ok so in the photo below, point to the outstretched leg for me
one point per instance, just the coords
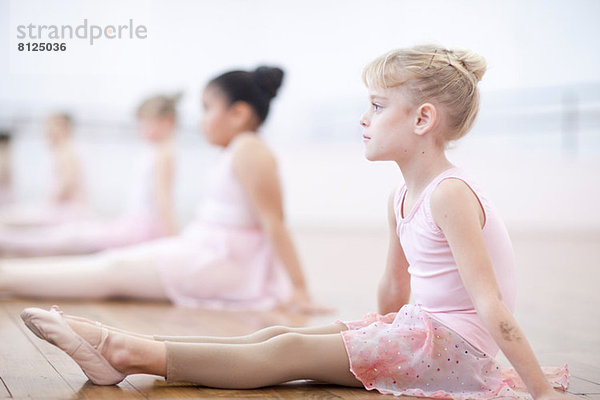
(98, 276)
(90, 331)
(283, 358)
(258, 336)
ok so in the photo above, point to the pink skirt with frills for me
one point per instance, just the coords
(410, 353)
(223, 267)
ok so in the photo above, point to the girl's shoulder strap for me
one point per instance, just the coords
(398, 193)
(453, 173)
(398, 196)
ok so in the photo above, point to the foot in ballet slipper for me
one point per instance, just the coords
(96, 340)
(52, 327)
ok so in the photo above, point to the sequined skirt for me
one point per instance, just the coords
(410, 353)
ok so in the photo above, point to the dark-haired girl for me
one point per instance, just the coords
(236, 254)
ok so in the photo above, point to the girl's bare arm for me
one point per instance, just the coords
(394, 287)
(165, 168)
(458, 213)
(255, 167)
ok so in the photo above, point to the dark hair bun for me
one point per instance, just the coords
(268, 79)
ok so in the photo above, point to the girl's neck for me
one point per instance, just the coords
(62, 146)
(163, 142)
(420, 170)
(246, 131)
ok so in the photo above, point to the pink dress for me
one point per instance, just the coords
(438, 347)
(223, 259)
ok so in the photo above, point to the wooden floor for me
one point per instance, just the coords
(558, 308)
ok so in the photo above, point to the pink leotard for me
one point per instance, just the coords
(434, 278)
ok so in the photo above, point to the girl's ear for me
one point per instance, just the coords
(425, 119)
(241, 112)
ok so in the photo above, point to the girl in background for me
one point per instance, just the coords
(66, 201)
(6, 189)
(238, 253)
(448, 247)
(149, 210)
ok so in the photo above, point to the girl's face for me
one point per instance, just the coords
(156, 129)
(216, 122)
(57, 131)
(388, 125)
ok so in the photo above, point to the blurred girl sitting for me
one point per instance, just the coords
(149, 209)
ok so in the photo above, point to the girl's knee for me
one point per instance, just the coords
(295, 355)
(288, 344)
(277, 330)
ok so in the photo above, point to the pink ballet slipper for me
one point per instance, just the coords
(98, 346)
(52, 327)
(57, 309)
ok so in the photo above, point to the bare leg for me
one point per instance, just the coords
(283, 358)
(98, 276)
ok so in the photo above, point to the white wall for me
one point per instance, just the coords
(322, 44)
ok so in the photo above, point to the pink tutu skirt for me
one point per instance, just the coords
(127, 230)
(223, 267)
(410, 353)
